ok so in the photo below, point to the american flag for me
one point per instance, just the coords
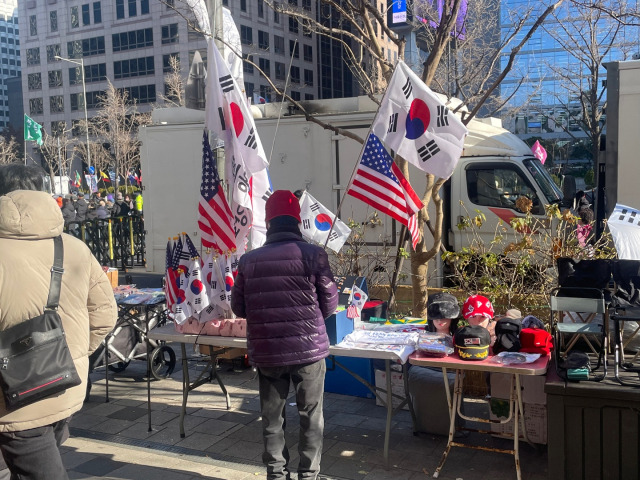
(169, 279)
(379, 182)
(215, 216)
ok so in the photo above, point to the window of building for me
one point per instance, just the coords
(260, 9)
(243, 5)
(295, 74)
(293, 2)
(281, 71)
(306, 29)
(246, 35)
(86, 15)
(278, 44)
(295, 95)
(248, 88)
(144, 7)
(194, 35)
(141, 93)
(135, 67)
(34, 81)
(53, 51)
(246, 66)
(306, 4)
(263, 40)
(75, 20)
(308, 96)
(58, 127)
(293, 25)
(171, 4)
(132, 40)
(56, 104)
(33, 56)
(307, 53)
(170, 33)
(53, 21)
(76, 100)
(97, 12)
(86, 47)
(166, 61)
(294, 49)
(133, 8)
(265, 66)
(33, 25)
(92, 73)
(265, 91)
(35, 106)
(55, 78)
(276, 12)
(308, 77)
(119, 9)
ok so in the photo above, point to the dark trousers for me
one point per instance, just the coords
(308, 383)
(34, 454)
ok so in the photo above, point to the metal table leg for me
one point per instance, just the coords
(457, 389)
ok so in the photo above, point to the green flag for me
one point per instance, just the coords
(32, 130)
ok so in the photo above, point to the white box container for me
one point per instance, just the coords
(397, 386)
(532, 387)
(535, 420)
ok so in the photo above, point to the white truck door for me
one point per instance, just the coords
(490, 186)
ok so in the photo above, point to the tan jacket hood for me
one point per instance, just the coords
(29, 215)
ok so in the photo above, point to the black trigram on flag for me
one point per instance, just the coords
(629, 215)
(223, 297)
(306, 224)
(221, 115)
(314, 207)
(251, 140)
(407, 88)
(214, 285)
(209, 310)
(197, 301)
(333, 235)
(443, 120)
(266, 195)
(429, 150)
(393, 123)
(226, 83)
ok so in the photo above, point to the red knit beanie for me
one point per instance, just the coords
(282, 202)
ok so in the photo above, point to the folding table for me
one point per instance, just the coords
(168, 334)
(516, 411)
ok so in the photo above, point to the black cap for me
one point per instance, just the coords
(472, 342)
(442, 305)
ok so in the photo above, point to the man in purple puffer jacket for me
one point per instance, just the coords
(285, 290)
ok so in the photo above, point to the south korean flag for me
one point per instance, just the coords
(357, 300)
(317, 221)
(415, 123)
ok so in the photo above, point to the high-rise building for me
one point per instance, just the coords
(130, 43)
(9, 54)
(552, 70)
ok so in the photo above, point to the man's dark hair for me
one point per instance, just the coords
(16, 176)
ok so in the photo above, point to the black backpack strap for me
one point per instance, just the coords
(56, 274)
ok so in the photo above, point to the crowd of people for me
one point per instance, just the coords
(78, 207)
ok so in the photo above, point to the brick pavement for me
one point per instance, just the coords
(111, 440)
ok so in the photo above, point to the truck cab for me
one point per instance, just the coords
(495, 170)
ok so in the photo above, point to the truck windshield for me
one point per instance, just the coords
(551, 191)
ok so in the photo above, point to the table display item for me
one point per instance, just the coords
(536, 340)
(472, 342)
(432, 344)
(507, 335)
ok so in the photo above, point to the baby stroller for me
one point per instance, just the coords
(128, 341)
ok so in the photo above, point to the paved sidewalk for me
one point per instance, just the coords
(111, 440)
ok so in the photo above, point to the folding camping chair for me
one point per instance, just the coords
(580, 306)
(625, 308)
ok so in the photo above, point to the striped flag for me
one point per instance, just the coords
(379, 182)
(215, 218)
(169, 277)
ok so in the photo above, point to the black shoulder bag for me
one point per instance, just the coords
(35, 361)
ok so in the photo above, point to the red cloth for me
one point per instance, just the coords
(280, 203)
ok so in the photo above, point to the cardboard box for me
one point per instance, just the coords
(397, 387)
(532, 387)
(112, 275)
(535, 420)
(230, 354)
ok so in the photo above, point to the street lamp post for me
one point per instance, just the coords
(84, 98)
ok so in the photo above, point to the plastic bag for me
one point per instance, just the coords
(511, 358)
(433, 344)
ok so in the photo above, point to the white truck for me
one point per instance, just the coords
(496, 167)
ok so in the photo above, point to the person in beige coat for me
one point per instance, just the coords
(29, 220)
